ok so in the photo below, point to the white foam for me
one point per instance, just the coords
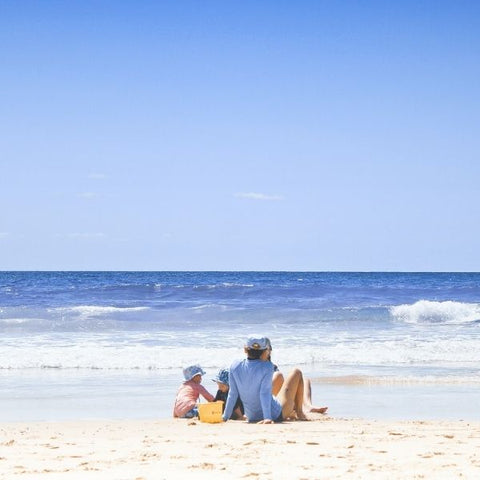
(102, 354)
(15, 321)
(426, 311)
(212, 306)
(170, 350)
(398, 380)
(94, 310)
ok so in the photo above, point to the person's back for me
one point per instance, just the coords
(252, 381)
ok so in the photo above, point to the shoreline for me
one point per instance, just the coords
(325, 447)
(61, 396)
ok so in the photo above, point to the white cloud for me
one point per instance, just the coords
(88, 195)
(4, 234)
(86, 236)
(97, 176)
(259, 196)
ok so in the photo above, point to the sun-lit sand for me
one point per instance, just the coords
(324, 448)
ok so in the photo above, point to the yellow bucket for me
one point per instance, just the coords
(210, 412)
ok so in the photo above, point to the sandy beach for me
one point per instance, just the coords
(324, 447)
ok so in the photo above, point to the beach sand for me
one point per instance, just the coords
(322, 448)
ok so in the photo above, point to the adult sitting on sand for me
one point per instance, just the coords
(251, 380)
(278, 380)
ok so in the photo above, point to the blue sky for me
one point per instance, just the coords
(253, 135)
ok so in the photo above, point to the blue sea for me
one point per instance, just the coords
(77, 345)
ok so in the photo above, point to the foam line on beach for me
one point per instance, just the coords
(396, 380)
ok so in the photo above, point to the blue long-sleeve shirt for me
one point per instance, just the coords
(251, 380)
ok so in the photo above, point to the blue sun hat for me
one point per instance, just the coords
(191, 371)
(257, 342)
(222, 376)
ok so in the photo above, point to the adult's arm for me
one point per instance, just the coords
(266, 395)
(231, 398)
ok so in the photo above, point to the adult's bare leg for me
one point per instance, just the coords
(277, 383)
(291, 396)
(307, 398)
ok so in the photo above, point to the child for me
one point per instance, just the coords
(222, 394)
(189, 393)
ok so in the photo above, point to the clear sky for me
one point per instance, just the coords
(252, 135)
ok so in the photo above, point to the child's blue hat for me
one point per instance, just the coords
(222, 376)
(191, 371)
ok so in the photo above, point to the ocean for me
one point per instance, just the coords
(77, 345)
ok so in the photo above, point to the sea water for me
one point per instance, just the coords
(112, 344)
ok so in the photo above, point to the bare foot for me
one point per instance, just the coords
(301, 416)
(318, 409)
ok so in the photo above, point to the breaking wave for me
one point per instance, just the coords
(426, 311)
